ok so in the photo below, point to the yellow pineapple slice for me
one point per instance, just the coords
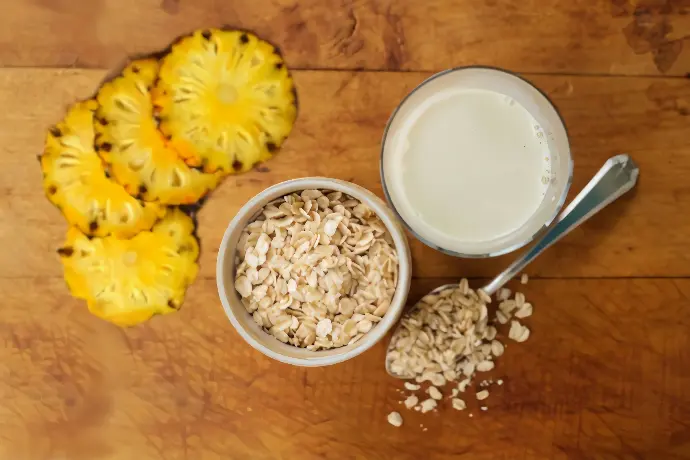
(128, 139)
(225, 100)
(126, 281)
(75, 180)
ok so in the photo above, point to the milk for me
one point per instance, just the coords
(466, 168)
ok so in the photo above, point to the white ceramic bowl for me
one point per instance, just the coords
(244, 323)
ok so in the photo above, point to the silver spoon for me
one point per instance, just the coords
(617, 176)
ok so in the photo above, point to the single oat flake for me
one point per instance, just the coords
(411, 401)
(395, 419)
(482, 395)
(435, 393)
(428, 405)
(518, 332)
(458, 404)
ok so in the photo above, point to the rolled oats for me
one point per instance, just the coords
(497, 348)
(484, 296)
(428, 405)
(323, 327)
(485, 366)
(448, 336)
(435, 393)
(524, 311)
(395, 419)
(462, 386)
(519, 299)
(518, 332)
(502, 317)
(411, 401)
(458, 404)
(316, 269)
(503, 294)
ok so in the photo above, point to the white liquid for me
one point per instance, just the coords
(471, 166)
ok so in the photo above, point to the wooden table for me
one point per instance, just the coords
(606, 373)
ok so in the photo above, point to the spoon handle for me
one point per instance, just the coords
(617, 176)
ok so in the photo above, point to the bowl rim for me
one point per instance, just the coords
(392, 224)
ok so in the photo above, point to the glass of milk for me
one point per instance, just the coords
(476, 162)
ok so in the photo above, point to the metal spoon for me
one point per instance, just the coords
(617, 176)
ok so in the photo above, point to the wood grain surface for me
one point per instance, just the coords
(630, 37)
(603, 376)
(606, 371)
(642, 235)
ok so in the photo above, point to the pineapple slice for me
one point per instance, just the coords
(128, 139)
(126, 281)
(225, 100)
(76, 182)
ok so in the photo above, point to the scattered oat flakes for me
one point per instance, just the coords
(411, 401)
(462, 386)
(485, 366)
(428, 405)
(395, 419)
(524, 311)
(482, 395)
(458, 404)
(507, 306)
(518, 332)
(447, 338)
(519, 299)
(524, 278)
(435, 393)
(497, 348)
(442, 338)
(503, 294)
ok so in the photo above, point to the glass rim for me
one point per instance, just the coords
(519, 244)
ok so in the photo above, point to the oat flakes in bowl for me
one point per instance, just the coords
(314, 271)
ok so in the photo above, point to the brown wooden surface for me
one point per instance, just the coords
(644, 235)
(640, 37)
(606, 372)
(601, 377)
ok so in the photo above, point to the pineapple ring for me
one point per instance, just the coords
(75, 181)
(225, 100)
(128, 139)
(128, 281)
